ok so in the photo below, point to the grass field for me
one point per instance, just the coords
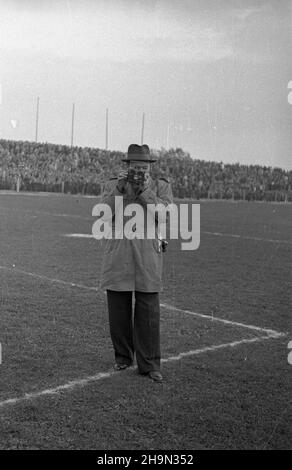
(224, 325)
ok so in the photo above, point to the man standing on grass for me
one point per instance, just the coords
(132, 269)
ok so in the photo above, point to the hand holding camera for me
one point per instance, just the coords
(135, 177)
(138, 179)
(122, 181)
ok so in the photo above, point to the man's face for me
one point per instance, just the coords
(140, 166)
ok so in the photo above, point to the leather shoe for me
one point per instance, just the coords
(155, 375)
(121, 366)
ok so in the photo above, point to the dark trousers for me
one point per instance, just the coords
(140, 334)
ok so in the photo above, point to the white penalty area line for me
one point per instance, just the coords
(35, 213)
(267, 331)
(7, 192)
(73, 384)
(49, 279)
(85, 235)
(78, 235)
(217, 234)
(246, 237)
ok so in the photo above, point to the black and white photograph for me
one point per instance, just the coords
(145, 229)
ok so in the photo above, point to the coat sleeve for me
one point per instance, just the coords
(164, 195)
(109, 193)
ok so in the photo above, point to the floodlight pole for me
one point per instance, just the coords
(72, 124)
(167, 136)
(106, 129)
(37, 119)
(142, 130)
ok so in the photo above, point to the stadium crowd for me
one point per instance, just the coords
(31, 166)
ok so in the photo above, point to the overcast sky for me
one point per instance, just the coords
(210, 75)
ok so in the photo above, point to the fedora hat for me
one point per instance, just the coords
(140, 153)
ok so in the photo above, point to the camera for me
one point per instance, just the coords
(135, 176)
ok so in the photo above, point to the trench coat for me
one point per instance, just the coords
(134, 264)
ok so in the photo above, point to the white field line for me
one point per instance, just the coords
(7, 192)
(246, 237)
(78, 235)
(73, 384)
(218, 234)
(49, 279)
(11, 192)
(267, 331)
(233, 344)
(52, 214)
(84, 235)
